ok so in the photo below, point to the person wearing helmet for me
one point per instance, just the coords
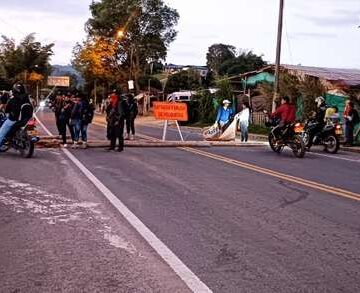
(320, 109)
(318, 120)
(18, 110)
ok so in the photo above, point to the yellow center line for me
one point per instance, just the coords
(304, 182)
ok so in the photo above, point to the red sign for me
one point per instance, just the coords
(171, 111)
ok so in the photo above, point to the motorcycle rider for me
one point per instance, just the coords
(19, 111)
(319, 118)
(286, 113)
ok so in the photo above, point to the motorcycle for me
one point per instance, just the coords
(327, 136)
(289, 136)
(23, 140)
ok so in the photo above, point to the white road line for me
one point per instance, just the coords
(190, 279)
(43, 126)
(336, 157)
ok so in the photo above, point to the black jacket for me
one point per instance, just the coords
(19, 105)
(132, 108)
(117, 114)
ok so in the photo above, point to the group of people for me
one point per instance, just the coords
(225, 116)
(73, 112)
(286, 113)
(17, 110)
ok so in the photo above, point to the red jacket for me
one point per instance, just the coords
(113, 100)
(286, 112)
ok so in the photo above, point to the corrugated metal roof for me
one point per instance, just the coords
(349, 77)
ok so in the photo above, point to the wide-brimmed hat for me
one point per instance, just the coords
(226, 102)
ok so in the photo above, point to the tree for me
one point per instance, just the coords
(207, 111)
(218, 54)
(310, 88)
(28, 61)
(183, 80)
(246, 61)
(148, 29)
(225, 92)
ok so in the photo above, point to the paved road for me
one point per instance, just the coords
(237, 227)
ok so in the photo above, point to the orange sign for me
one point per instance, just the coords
(171, 111)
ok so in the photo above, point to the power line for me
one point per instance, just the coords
(288, 43)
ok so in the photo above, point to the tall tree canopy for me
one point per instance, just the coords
(224, 60)
(147, 29)
(28, 61)
(217, 54)
(245, 61)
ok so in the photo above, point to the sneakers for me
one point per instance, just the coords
(132, 137)
(65, 145)
(75, 145)
(84, 145)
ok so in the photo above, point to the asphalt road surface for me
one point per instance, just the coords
(241, 219)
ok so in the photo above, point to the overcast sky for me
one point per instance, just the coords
(316, 32)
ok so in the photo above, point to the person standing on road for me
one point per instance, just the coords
(57, 108)
(64, 120)
(130, 119)
(351, 117)
(81, 116)
(224, 115)
(116, 114)
(244, 120)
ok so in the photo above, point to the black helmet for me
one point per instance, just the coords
(18, 89)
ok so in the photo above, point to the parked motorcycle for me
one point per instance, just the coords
(289, 136)
(23, 140)
(327, 136)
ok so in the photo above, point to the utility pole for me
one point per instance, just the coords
(278, 55)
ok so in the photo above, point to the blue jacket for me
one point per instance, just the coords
(224, 114)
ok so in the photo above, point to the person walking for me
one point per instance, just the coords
(130, 119)
(244, 121)
(116, 114)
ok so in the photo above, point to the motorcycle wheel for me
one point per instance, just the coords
(298, 147)
(332, 144)
(272, 142)
(306, 139)
(28, 148)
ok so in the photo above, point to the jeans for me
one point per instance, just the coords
(80, 128)
(130, 125)
(244, 131)
(5, 129)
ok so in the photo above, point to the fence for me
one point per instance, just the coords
(258, 118)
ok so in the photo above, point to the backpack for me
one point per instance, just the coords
(356, 118)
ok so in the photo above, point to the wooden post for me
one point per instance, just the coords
(278, 55)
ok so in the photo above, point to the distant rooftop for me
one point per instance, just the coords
(348, 77)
